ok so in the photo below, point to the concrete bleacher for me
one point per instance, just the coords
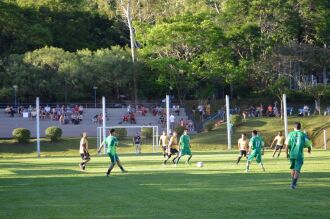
(7, 124)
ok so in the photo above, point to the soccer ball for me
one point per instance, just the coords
(200, 164)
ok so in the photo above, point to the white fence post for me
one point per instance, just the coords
(168, 115)
(285, 114)
(325, 138)
(38, 126)
(104, 121)
(228, 122)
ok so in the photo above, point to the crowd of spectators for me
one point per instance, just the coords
(64, 114)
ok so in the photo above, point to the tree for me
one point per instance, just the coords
(278, 88)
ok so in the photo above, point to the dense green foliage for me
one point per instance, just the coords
(121, 133)
(236, 120)
(189, 48)
(53, 133)
(209, 126)
(147, 133)
(21, 135)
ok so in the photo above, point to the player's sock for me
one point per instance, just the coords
(110, 168)
(247, 166)
(121, 167)
(294, 182)
(189, 158)
(263, 168)
(238, 159)
(177, 160)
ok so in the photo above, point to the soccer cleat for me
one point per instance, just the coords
(246, 170)
(187, 163)
(124, 171)
(81, 167)
(293, 186)
(107, 175)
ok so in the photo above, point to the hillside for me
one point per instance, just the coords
(268, 128)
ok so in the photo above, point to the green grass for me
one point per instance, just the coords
(267, 127)
(55, 188)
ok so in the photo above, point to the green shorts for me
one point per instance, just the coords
(185, 151)
(255, 154)
(296, 164)
(114, 158)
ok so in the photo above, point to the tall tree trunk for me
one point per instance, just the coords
(127, 11)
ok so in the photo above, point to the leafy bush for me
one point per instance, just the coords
(179, 130)
(146, 132)
(53, 133)
(22, 135)
(236, 120)
(121, 133)
(208, 126)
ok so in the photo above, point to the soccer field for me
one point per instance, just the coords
(55, 188)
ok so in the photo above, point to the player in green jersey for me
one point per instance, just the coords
(295, 144)
(256, 150)
(111, 142)
(184, 146)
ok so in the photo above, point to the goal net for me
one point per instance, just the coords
(130, 132)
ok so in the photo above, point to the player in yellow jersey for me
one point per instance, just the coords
(172, 148)
(243, 146)
(83, 150)
(279, 139)
(163, 141)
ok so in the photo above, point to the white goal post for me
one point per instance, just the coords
(155, 134)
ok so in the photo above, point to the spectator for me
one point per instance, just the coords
(276, 112)
(62, 109)
(30, 111)
(42, 113)
(132, 118)
(190, 126)
(162, 120)
(76, 109)
(177, 110)
(129, 108)
(306, 111)
(182, 123)
(208, 109)
(95, 119)
(81, 109)
(7, 109)
(327, 111)
(11, 112)
(33, 113)
(172, 121)
(200, 111)
(61, 119)
(261, 110)
(193, 109)
(244, 114)
(66, 119)
(47, 110)
(270, 110)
